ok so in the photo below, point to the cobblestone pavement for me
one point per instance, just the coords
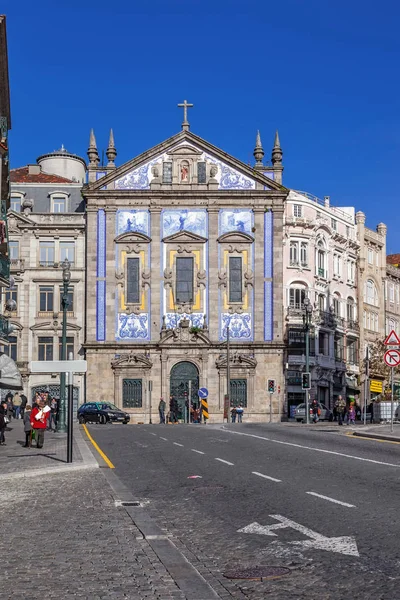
(62, 537)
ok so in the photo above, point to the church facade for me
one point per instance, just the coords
(184, 249)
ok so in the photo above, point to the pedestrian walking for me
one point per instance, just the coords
(173, 410)
(10, 408)
(315, 411)
(340, 406)
(16, 405)
(24, 402)
(233, 414)
(161, 410)
(52, 420)
(3, 423)
(39, 422)
(239, 412)
(351, 415)
(28, 426)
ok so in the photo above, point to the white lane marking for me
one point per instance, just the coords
(260, 437)
(331, 499)
(151, 433)
(225, 461)
(165, 439)
(198, 451)
(176, 444)
(266, 477)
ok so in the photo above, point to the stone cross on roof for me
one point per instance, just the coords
(185, 123)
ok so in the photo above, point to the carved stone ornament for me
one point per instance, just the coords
(235, 309)
(237, 359)
(132, 360)
(238, 249)
(168, 275)
(133, 249)
(184, 307)
(201, 279)
(187, 249)
(146, 275)
(133, 309)
(248, 278)
(222, 279)
(120, 277)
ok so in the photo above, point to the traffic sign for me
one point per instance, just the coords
(202, 393)
(392, 358)
(392, 339)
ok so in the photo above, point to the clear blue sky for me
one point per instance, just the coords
(326, 74)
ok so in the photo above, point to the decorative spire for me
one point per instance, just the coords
(92, 151)
(258, 151)
(111, 151)
(277, 153)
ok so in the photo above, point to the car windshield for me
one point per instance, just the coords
(108, 406)
(300, 406)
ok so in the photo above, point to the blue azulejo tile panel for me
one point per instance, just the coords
(133, 220)
(229, 178)
(268, 244)
(101, 311)
(193, 220)
(235, 219)
(268, 312)
(173, 319)
(101, 243)
(133, 327)
(240, 326)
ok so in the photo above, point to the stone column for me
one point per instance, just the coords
(213, 316)
(258, 279)
(156, 274)
(111, 308)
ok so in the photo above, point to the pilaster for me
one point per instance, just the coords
(156, 275)
(258, 278)
(213, 309)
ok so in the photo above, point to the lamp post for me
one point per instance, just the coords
(307, 315)
(61, 423)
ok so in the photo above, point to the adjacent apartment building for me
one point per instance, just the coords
(46, 225)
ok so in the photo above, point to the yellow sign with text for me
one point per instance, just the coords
(376, 386)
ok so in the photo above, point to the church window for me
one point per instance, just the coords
(235, 279)
(184, 279)
(46, 298)
(132, 275)
(132, 393)
(238, 392)
(167, 172)
(201, 172)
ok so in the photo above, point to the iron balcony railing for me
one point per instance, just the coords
(4, 267)
(4, 328)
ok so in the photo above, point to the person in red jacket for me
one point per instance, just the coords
(39, 424)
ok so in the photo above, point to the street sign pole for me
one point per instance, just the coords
(189, 400)
(150, 390)
(366, 385)
(270, 407)
(392, 405)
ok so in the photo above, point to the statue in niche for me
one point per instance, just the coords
(213, 171)
(184, 172)
(155, 172)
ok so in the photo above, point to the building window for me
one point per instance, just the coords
(167, 172)
(12, 294)
(235, 279)
(377, 258)
(46, 298)
(321, 260)
(13, 250)
(321, 302)
(370, 293)
(184, 280)
(10, 349)
(336, 306)
(132, 281)
(67, 251)
(15, 202)
(350, 310)
(132, 393)
(371, 321)
(46, 250)
(297, 342)
(294, 254)
(337, 264)
(334, 224)
(391, 293)
(391, 325)
(339, 347)
(323, 343)
(304, 254)
(70, 298)
(352, 351)
(351, 270)
(297, 297)
(201, 172)
(59, 204)
(370, 256)
(69, 347)
(297, 210)
(238, 392)
(45, 348)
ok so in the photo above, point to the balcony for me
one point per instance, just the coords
(353, 326)
(321, 273)
(4, 268)
(17, 265)
(4, 328)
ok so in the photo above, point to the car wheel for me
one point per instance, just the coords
(125, 422)
(82, 419)
(299, 420)
(102, 420)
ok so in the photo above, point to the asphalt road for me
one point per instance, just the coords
(312, 484)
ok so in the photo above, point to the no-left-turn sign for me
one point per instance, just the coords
(392, 358)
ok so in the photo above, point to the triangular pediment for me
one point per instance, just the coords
(235, 237)
(17, 220)
(184, 237)
(132, 238)
(229, 173)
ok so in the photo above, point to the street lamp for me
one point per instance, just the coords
(307, 316)
(61, 424)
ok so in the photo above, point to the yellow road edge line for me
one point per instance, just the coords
(103, 456)
(360, 437)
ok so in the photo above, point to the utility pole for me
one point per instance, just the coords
(150, 390)
(61, 421)
(366, 385)
(228, 372)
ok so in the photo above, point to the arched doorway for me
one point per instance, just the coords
(181, 374)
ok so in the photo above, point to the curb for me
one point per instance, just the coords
(47, 471)
(377, 436)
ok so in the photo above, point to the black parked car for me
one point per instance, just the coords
(102, 412)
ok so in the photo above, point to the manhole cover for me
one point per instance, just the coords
(257, 573)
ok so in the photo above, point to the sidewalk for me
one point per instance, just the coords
(380, 432)
(372, 431)
(17, 461)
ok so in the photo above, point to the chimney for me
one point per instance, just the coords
(34, 169)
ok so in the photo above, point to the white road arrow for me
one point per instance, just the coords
(342, 545)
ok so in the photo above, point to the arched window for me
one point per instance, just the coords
(370, 293)
(297, 295)
(321, 259)
(321, 302)
(336, 305)
(350, 310)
